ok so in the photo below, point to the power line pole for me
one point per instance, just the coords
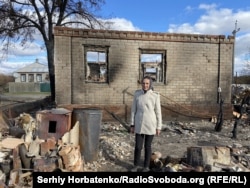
(233, 61)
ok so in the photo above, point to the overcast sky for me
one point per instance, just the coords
(180, 16)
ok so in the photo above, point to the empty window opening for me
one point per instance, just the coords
(96, 64)
(52, 127)
(153, 64)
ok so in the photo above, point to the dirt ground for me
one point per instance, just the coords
(116, 144)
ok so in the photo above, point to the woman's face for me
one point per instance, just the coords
(145, 84)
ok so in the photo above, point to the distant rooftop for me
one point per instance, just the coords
(34, 67)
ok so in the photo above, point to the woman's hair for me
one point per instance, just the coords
(150, 81)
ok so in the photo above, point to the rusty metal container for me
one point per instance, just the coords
(89, 131)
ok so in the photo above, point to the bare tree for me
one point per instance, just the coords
(21, 20)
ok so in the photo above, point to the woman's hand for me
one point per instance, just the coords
(132, 129)
(158, 131)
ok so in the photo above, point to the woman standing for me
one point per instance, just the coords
(146, 121)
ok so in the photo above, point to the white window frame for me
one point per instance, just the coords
(23, 77)
(39, 78)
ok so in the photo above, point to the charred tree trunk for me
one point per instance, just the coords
(220, 117)
(240, 110)
(234, 131)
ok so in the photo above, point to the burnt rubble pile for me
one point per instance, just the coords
(182, 147)
(23, 152)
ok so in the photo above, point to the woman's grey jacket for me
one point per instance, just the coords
(146, 112)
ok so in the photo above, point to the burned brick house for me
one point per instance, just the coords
(102, 69)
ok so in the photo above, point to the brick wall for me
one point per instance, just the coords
(196, 65)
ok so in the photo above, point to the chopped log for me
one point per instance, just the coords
(208, 155)
(11, 143)
(72, 159)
